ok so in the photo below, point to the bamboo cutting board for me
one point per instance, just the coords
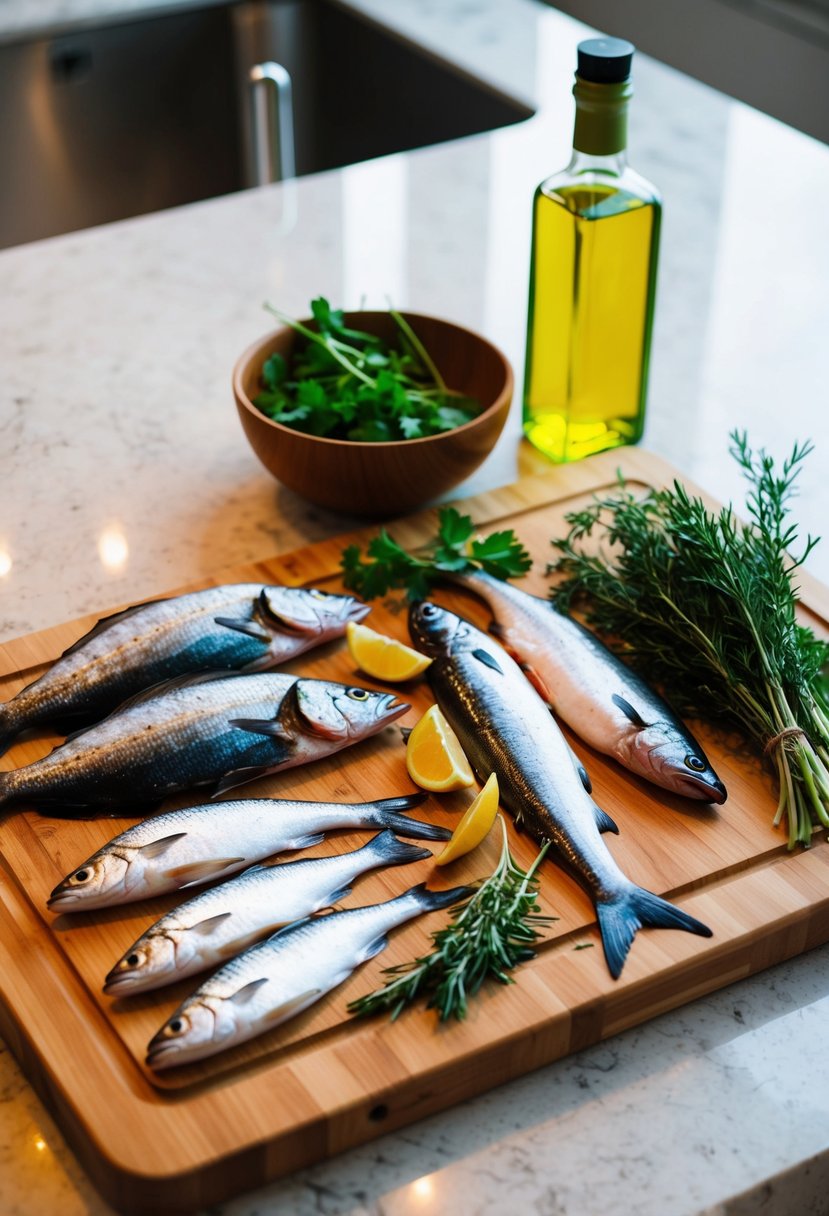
(325, 1082)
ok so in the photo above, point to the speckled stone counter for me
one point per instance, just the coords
(124, 473)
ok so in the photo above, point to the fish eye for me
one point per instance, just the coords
(358, 694)
(429, 610)
(175, 1027)
(694, 762)
(82, 876)
(132, 960)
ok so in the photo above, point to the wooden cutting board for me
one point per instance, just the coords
(325, 1082)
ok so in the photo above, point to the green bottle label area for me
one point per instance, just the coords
(592, 293)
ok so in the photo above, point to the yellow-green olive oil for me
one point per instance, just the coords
(591, 307)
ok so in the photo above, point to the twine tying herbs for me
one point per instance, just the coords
(790, 732)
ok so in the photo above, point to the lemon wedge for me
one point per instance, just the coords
(434, 756)
(383, 657)
(475, 825)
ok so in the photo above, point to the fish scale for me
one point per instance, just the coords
(190, 735)
(599, 697)
(504, 727)
(277, 979)
(236, 627)
(192, 845)
(206, 930)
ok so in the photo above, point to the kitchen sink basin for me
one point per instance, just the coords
(102, 123)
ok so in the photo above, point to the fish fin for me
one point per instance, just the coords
(387, 817)
(483, 656)
(431, 901)
(243, 995)
(373, 948)
(244, 626)
(238, 776)
(157, 848)
(262, 726)
(405, 731)
(603, 821)
(390, 851)
(296, 625)
(334, 897)
(296, 1005)
(537, 682)
(585, 777)
(304, 842)
(620, 918)
(200, 871)
(104, 623)
(205, 927)
(628, 710)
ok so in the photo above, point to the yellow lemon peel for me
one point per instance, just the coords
(476, 823)
(434, 757)
(382, 657)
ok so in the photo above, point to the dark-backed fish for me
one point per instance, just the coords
(279, 978)
(202, 731)
(217, 925)
(505, 727)
(193, 845)
(237, 627)
(601, 699)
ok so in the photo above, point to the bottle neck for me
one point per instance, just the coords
(600, 133)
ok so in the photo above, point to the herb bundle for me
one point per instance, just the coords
(455, 548)
(705, 607)
(345, 384)
(488, 935)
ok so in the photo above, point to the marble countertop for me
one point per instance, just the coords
(124, 473)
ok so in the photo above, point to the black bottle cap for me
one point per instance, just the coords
(605, 60)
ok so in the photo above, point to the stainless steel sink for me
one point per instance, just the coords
(100, 124)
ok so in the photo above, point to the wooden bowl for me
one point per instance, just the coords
(382, 479)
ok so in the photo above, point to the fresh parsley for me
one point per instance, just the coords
(342, 383)
(388, 565)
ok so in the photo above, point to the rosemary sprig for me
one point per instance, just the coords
(488, 935)
(455, 547)
(705, 607)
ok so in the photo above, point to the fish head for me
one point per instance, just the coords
(152, 956)
(341, 711)
(436, 631)
(302, 611)
(196, 1029)
(102, 877)
(666, 756)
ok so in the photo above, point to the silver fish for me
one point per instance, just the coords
(219, 924)
(228, 730)
(237, 627)
(505, 727)
(595, 693)
(279, 978)
(185, 848)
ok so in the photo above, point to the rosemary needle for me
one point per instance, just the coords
(488, 935)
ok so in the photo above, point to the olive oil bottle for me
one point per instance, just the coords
(593, 276)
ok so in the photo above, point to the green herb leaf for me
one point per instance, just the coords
(705, 607)
(452, 551)
(488, 936)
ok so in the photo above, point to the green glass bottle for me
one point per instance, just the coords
(592, 276)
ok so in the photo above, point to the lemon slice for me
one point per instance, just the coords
(434, 756)
(383, 657)
(475, 825)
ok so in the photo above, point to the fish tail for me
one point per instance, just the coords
(633, 909)
(385, 814)
(425, 900)
(9, 727)
(389, 851)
